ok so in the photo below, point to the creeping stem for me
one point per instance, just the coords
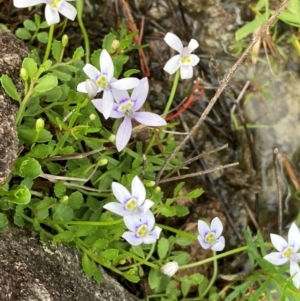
(50, 38)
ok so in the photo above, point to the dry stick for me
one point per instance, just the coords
(275, 165)
(200, 173)
(222, 87)
(187, 162)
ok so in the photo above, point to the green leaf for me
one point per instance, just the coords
(107, 41)
(95, 58)
(185, 286)
(110, 254)
(65, 236)
(183, 241)
(62, 75)
(180, 211)
(56, 50)
(75, 200)
(138, 250)
(131, 277)
(118, 62)
(195, 193)
(45, 83)
(20, 195)
(163, 248)
(100, 243)
(59, 189)
(3, 222)
(28, 167)
(30, 66)
(167, 211)
(154, 278)
(30, 25)
(85, 230)
(40, 151)
(87, 265)
(78, 54)
(177, 189)
(23, 33)
(249, 27)
(63, 212)
(43, 207)
(53, 94)
(43, 37)
(130, 72)
(29, 134)
(9, 87)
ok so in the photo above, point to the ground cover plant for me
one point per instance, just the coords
(79, 123)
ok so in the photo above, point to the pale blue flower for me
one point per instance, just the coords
(184, 60)
(52, 9)
(210, 237)
(170, 268)
(287, 252)
(127, 106)
(106, 83)
(133, 203)
(142, 229)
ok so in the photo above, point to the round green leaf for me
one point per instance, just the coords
(45, 84)
(3, 222)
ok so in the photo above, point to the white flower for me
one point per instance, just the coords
(184, 60)
(106, 83)
(287, 252)
(209, 237)
(127, 106)
(133, 203)
(141, 229)
(170, 268)
(52, 9)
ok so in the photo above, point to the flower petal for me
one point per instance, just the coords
(149, 219)
(125, 83)
(278, 242)
(132, 222)
(174, 42)
(186, 71)
(131, 238)
(276, 258)
(172, 64)
(193, 44)
(219, 245)
(120, 192)
(117, 209)
(120, 95)
(295, 271)
(203, 228)
(106, 65)
(294, 237)
(115, 113)
(149, 119)
(203, 243)
(27, 3)
(139, 94)
(81, 87)
(51, 15)
(195, 59)
(216, 226)
(147, 205)
(68, 10)
(138, 190)
(91, 71)
(107, 103)
(123, 134)
(149, 239)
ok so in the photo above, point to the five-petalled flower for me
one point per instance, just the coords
(142, 229)
(184, 60)
(134, 203)
(209, 237)
(106, 83)
(127, 106)
(287, 251)
(170, 268)
(52, 9)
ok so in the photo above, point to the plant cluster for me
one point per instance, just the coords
(71, 179)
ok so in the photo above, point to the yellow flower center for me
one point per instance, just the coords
(102, 82)
(185, 58)
(210, 238)
(142, 231)
(126, 108)
(288, 252)
(131, 205)
(55, 4)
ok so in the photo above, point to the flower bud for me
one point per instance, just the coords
(157, 189)
(24, 74)
(92, 117)
(149, 183)
(170, 268)
(39, 124)
(112, 138)
(114, 46)
(65, 40)
(64, 199)
(102, 162)
(91, 87)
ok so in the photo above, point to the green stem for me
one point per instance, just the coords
(214, 276)
(141, 260)
(179, 232)
(172, 94)
(49, 44)
(87, 223)
(79, 5)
